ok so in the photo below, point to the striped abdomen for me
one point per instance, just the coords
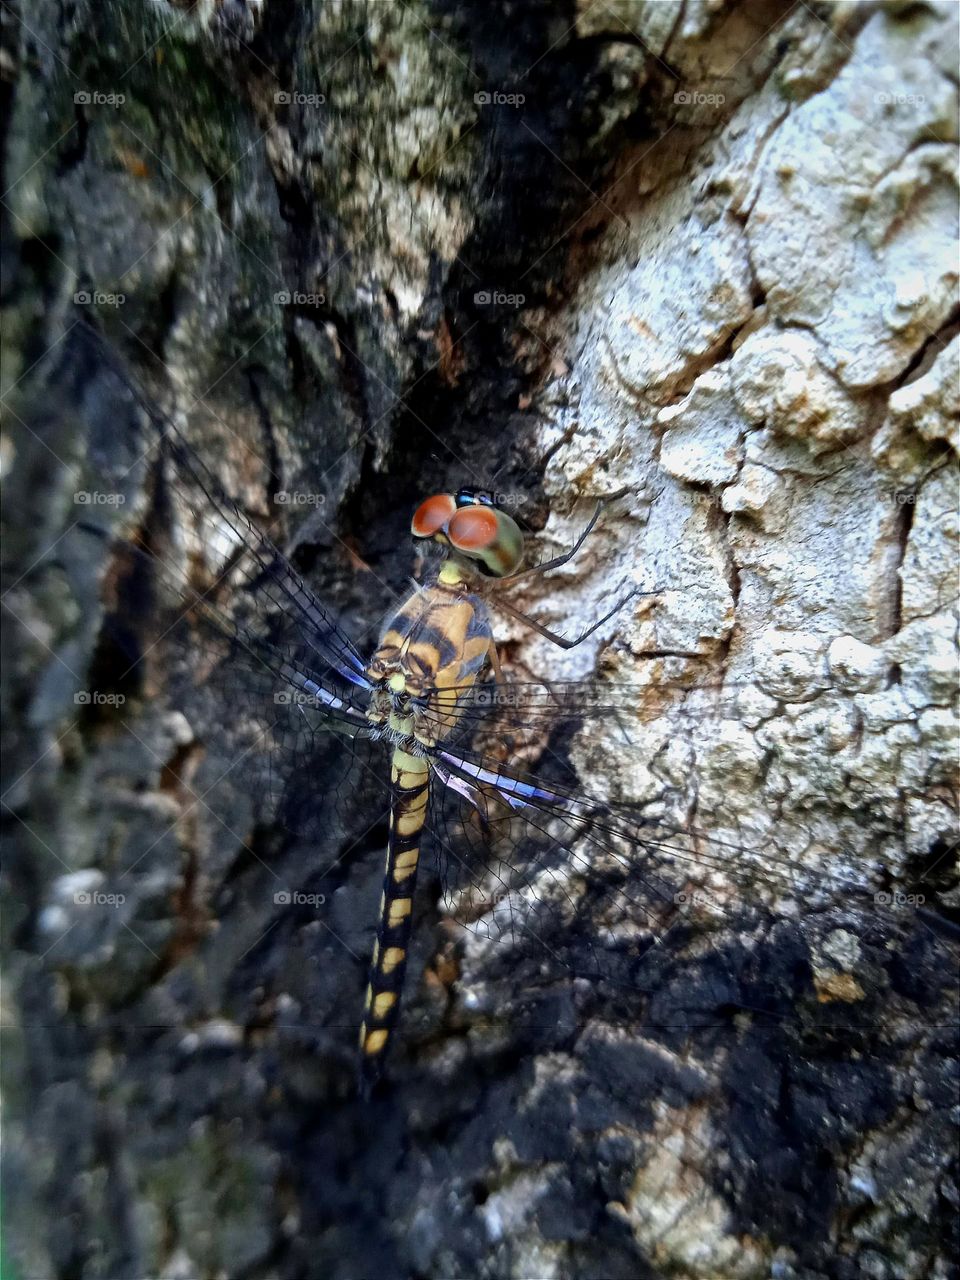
(410, 783)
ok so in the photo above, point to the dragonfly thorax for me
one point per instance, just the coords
(428, 659)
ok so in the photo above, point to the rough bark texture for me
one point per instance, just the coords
(708, 261)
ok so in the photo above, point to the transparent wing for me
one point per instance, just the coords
(544, 879)
(209, 555)
(581, 829)
(271, 751)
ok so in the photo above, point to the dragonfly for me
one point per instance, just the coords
(480, 771)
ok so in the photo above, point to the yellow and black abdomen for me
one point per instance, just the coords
(429, 657)
(410, 785)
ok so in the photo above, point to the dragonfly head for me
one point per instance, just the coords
(479, 534)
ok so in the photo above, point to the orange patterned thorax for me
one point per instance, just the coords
(437, 642)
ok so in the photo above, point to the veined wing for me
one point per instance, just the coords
(544, 879)
(564, 880)
(221, 564)
(282, 666)
(278, 787)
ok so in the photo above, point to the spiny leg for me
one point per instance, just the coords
(562, 641)
(557, 561)
(494, 659)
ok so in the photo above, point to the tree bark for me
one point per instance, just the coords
(698, 259)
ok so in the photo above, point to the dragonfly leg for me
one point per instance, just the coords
(562, 641)
(567, 556)
(495, 662)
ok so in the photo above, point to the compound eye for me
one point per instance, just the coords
(473, 529)
(489, 537)
(432, 515)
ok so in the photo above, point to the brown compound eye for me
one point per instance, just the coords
(489, 537)
(473, 529)
(432, 515)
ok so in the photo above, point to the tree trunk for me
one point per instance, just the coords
(696, 258)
